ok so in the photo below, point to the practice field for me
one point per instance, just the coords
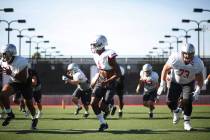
(62, 124)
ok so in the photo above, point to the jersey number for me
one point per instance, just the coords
(184, 73)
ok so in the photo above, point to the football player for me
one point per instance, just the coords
(37, 95)
(149, 80)
(120, 92)
(104, 84)
(186, 69)
(17, 68)
(83, 89)
(37, 90)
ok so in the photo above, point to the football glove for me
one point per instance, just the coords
(196, 93)
(206, 81)
(162, 88)
(64, 78)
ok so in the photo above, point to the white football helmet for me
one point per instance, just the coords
(98, 43)
(147, 68)
(8, 51)
(188, 52)
(72, 68)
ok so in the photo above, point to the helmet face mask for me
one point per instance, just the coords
(147, 73)
(7, 57)
(187, 57)
(147, 69)
(188, 52)
(8, 52)
(72, 69)
(98, 44)
(96, 47)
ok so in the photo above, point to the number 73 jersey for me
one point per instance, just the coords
(184, 73)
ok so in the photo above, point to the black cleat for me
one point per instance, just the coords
(86, 115)
(8, 119)
(34, 123)
(150, 115)
(113, 110)
(77, 111)
(103, 126)
(120, 114)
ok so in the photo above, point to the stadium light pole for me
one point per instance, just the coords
(170, 45)
(151, 58)
(198, 29)
(45, 49)
(200, 10)
(30, 41)
(156, 50)
(186, 32)
(8, 26)
(20, 35)
(37, 44)
(53, 54)
(7, 10)
(177, 41)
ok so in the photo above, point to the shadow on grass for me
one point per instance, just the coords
(89, 131)
(83, 131)
(144, 113)
(138, 118)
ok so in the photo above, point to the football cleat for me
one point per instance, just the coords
(120, 114)
(103, 126)
(34, 123)
(176, 116)
(187, 126)
(77, 111)
(86, 115)
(8, 119)
(151, 115)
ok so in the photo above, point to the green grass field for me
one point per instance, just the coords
(62, 124)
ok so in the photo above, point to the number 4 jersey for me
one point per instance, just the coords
(184, 73)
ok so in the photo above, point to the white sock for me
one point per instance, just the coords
(186, 118)
(120, 110)
(101, 118)
(86, 112)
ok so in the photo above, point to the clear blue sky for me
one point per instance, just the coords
(133, 27)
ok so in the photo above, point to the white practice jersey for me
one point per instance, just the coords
(182, 73)
(150, 82)
(80, 76)
(18, 64)
(102, 61)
